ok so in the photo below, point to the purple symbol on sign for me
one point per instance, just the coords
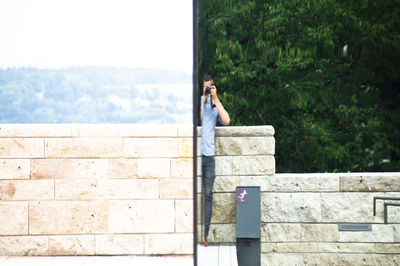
(242, 196)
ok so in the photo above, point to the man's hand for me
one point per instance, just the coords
(214, 92)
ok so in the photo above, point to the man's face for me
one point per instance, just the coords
(207, 83)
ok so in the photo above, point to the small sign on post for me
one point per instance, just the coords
(242, 195)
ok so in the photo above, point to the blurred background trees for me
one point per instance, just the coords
(94, 95)
(325, 74)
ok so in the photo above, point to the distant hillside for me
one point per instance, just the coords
(93, 95)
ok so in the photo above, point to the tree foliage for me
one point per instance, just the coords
(324, 73)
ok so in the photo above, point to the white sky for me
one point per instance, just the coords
(121, 33)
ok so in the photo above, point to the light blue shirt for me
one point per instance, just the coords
(210, 116)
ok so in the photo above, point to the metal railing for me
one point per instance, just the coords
(386, 204)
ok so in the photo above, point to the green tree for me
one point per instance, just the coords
(325, 74)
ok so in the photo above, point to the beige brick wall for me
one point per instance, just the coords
(300, 213)
(127, 189)
(244, 157)
(96, 189)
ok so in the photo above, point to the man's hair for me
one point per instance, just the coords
(208, 77)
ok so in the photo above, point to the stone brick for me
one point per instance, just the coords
(280, 232)
(222, 233)
(177, 244)
(71, 245)
(387, 248)
(229, 183)
(199, 208)
(185, 147)
(68, 217)
(253, 165)
(276, 259)
(291, 207)
(356, 247)
(119, 244)
(223, 165)
(127, 130)
(69, 168)
(21, 148)
(176, 189)
(83, 147)
(366, 259)
(303, 182)
(258, 146)
(185, 130)
(224, 183)
(91, 189)
(199, 166)
(377, 182)
(299, 259)
(199, 146)
(228, 146)
(224, 208)
(300, 247)
(319, 233)
(26, 189)
(122, 168)
(38, 130)
(182, 168)
(184, 216)
(380, 233)
(151, 147)
(14, 218)
(396, 232)
(347, 207)
(321, 259)
(138, 216)
(14, 169)
(154, 168)
(244, 131)
(23, 246)
(393, 214)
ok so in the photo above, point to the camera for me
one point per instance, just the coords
(208, 90)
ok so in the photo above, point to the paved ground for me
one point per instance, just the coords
(216, 255)
(209, 256)
(95, 261)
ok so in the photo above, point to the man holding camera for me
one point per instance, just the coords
(211, 110)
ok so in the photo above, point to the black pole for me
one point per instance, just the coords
(195, 115)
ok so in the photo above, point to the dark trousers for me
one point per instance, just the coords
(208, 178)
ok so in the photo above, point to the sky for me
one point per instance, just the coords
(116, 33)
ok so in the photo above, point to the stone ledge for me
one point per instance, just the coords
(242, 131)
(95, 130)
(38, 130)
(128, 130)
(380, 182)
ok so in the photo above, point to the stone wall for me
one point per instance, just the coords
(96, 190)
(127, 189)
(244, 157)
(301, 213)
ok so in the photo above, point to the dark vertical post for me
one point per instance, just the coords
(195, 115)
(248, 226)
